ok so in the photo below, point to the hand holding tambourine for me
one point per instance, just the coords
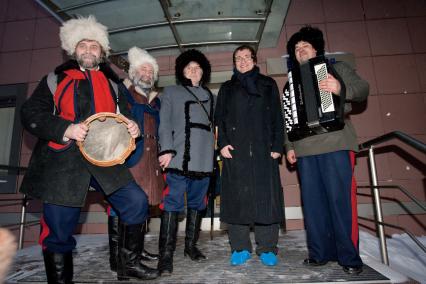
(110, 139)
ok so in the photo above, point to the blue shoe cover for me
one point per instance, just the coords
(239, 258)
(269, 259)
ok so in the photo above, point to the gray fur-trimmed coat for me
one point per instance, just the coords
(185, 130)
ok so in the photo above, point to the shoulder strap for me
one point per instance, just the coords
(199, 102)
(116, 95)
(52, 82)
(114, 86)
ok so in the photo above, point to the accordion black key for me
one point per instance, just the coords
(308, 110)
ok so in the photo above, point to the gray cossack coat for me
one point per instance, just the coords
(185, 130)
(253, 124)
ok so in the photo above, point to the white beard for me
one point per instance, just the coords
(143, 84)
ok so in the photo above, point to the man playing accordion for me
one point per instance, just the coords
(325, 163)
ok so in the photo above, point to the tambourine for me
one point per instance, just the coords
(108, 142)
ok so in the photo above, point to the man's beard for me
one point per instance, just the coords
(141, 83)
(88, 61)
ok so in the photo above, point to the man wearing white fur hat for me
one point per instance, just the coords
(145, 106)
(58, 174)
(143, 163)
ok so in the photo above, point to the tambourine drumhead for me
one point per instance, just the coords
(108, 142)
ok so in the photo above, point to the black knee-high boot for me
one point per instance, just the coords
(192, 233)
(130, 247)
(59, 267)
(167, 241)
(113, 236)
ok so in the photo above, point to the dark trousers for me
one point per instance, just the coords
(58, 222)
(174, 194)
(330, 207)
(266, 237)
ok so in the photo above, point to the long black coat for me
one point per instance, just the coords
(253, 125)
(63, 178)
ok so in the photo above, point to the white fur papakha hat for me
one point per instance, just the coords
(138, 57)
(75, 30)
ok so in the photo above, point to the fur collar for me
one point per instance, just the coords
(152, 95)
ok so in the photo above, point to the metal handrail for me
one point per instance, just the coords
(369, 145)
(26, 224)
(24, 200)
(417, 144)
(22, 223)
(13, 168)
(402, 189)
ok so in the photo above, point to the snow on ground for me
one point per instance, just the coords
(404, 255)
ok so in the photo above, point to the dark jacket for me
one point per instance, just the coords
(63, 178)
(253, 125)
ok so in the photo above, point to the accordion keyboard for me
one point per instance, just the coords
(327, 104)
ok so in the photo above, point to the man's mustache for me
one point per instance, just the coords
(141, 81)
(88, 55)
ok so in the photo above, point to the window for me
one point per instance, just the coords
(11, 98)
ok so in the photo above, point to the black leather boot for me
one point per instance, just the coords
(167, 242)
(145, 255)
(130, 248)
(59, 267)
(113, 237)
(192, 233)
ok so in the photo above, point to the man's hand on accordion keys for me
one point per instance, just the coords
(330, 84)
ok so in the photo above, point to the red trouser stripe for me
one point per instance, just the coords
(165, 192)
(45, 231)
(206, 199)
(355, 229)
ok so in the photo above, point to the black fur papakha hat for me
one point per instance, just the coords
(184, 59)
(309, 34)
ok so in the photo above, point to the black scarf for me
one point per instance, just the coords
(248, 79)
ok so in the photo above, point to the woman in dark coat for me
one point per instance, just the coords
(250, 138)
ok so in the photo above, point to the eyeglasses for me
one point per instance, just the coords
(245, 59)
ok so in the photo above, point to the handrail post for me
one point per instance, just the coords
(378, 207)
(22, 224)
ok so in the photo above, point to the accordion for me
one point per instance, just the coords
(308, 110)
